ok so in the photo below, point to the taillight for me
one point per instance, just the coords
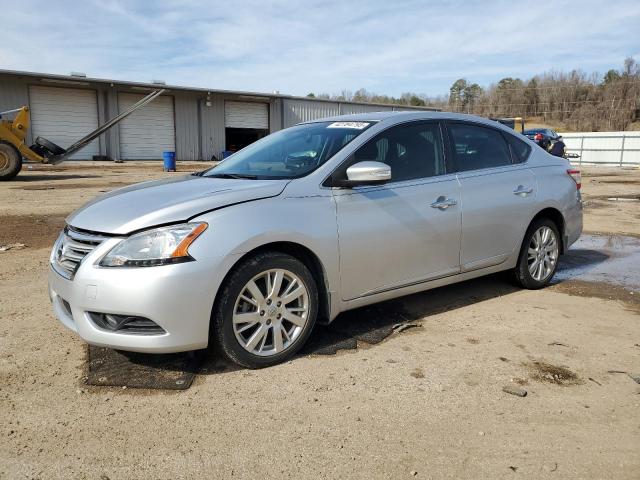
(577, 177)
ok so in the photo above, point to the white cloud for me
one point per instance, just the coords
(297, 47)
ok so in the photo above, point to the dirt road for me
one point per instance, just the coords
(424, 403)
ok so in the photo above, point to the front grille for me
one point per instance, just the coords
(71, 249)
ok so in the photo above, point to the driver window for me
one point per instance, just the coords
(411, 150)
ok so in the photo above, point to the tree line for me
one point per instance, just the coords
(576, 100)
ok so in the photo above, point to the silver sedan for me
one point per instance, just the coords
(309, 222)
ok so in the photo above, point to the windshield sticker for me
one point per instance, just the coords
(356, 125)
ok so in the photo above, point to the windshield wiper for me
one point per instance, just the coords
(234, 175)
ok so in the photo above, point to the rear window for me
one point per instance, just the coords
(477, 147)
(519, 150)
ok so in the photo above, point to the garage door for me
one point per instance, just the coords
(246, 115)
(147, 132)
(64, 116)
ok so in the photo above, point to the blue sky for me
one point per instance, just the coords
(389, 46)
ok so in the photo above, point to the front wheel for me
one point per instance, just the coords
(10, 161)
(539, 255)
(266, 310)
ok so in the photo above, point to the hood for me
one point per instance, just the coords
(159, 202)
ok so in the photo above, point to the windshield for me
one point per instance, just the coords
(289, 153)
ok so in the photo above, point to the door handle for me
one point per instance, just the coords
(524, 191)
(443, 203)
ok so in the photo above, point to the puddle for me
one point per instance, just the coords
(611, 259)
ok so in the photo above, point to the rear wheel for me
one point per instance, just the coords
(266, 310)
(539, 255)
(10, 161)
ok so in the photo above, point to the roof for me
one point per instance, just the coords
(413, 115)
(79, 80)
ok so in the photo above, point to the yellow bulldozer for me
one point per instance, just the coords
(13, 133)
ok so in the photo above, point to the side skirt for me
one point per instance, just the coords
(421, 287)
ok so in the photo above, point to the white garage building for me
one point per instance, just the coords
(198, 124)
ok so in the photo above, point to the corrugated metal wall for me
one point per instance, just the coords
(296, 111)
(275, 115)
(299, 110)
(187, 126)
(112, 136)
(102, 118)
(14, 94)
(212, 127)
(405, 109)
(348, 108)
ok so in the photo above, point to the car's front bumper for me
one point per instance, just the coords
(179, 298)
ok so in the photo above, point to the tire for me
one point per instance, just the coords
(526, 274)
(254, 343)
(10, 161)
(50, 146)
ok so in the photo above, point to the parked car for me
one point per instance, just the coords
(545, 136)
(306, 223)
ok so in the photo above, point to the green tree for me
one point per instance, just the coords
(470, 96)
(361, 95)
(416, 101)
(610, 77)
(455, 93)
(531, 97)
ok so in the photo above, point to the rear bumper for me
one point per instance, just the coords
(179, 298)
(573, 221)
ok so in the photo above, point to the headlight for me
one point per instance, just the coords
(159, 246)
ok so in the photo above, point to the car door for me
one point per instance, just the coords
(408, 230)
(498, 193)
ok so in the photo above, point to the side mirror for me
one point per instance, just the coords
(367, 173)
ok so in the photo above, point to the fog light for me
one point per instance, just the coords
(126, 324)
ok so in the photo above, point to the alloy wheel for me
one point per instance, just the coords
(271, 312)
(543, 253)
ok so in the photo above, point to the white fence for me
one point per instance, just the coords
(606, 148)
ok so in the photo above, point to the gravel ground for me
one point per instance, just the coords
(426, 403)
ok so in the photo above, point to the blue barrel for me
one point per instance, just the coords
(169, 159)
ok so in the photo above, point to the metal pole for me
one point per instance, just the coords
(10, 111)
(581, 147)
(622, 149)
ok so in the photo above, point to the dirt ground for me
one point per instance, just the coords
(426, 403)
